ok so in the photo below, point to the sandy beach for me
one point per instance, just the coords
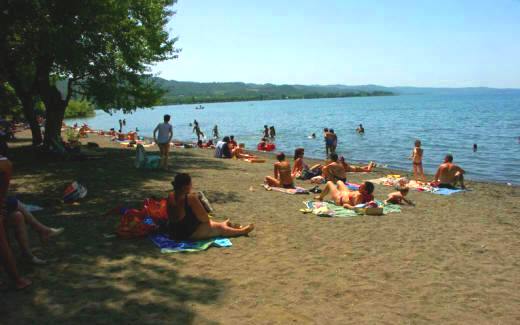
(448, 260)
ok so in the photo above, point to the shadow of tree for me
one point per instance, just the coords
(91, 278)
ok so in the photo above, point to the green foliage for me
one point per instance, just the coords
(77, 108)
(71, 135)
(9, 104)
(178, 92)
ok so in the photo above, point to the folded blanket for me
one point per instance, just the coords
(329, 209)
(168, 245)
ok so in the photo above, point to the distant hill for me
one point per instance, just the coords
(185, 92)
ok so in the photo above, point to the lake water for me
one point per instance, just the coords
(444, 124)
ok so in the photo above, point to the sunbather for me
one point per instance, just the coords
(188, 219)
(282, 173)
(18, 216)
(300, 167)
(449, 174)
(356, 169)
(346, 198)
(334, 171)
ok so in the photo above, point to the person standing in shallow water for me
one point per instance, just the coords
(272, 132)
(266, 131)
(162, 135)
(215, 132)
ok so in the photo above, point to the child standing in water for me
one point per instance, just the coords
(417, 155)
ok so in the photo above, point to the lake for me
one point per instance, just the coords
(444, 124)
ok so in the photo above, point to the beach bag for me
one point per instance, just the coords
(134, 224)
(74, 192)
(156, 209)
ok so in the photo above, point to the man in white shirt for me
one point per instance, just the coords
(162, 135)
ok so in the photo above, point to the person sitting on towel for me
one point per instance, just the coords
(448, 174)
(189, 220)
(334, 170)
(282, 174)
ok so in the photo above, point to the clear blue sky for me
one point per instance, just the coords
(445, 43)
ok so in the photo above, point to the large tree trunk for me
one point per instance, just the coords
(55, 110)
(54, 104)
(28, 111)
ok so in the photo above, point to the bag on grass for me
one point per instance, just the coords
(74, 192)
(134, 224)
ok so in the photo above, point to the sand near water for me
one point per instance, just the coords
(448, 260)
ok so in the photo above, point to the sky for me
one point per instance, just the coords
(455, 43)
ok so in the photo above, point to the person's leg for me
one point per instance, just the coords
(415, 167)
(341, 186)
(329, 188)
(271, 181)
(216, 229)
(43, 231)
(421, 173)
(17, 221)
(8, 260)
(460, 180)
(166, 155)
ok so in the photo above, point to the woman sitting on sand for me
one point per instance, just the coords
(301, 169)
(282, 173)
(188, 219)
(346, 198)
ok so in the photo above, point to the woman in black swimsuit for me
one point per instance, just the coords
(188, 219)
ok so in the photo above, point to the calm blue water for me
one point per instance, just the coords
(444, 124)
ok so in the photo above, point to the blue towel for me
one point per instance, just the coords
(168, 245)
(446, 191)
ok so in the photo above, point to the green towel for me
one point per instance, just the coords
(329, 209)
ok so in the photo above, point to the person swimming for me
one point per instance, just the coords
(360, 129)
(282, 174)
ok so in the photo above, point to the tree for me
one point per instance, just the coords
(102, 48)
(17, 23)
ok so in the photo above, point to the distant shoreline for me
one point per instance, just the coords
(235, 100)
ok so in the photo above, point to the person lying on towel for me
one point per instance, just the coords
(342, 196)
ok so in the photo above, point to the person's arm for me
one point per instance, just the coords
(170, 134)
(325, 171)
(460, 170)
(408, 201)
(198, 209)
(437, 174)
(155, 133)
(276, 171)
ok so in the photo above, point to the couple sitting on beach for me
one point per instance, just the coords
(228, 148)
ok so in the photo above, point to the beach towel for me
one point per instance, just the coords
(168, 245)
(292, 191)
(446, 191)
(329, 209)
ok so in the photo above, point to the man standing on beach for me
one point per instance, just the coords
(448, 174)
(162, 135)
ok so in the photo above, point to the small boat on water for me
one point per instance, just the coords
(199, 107)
